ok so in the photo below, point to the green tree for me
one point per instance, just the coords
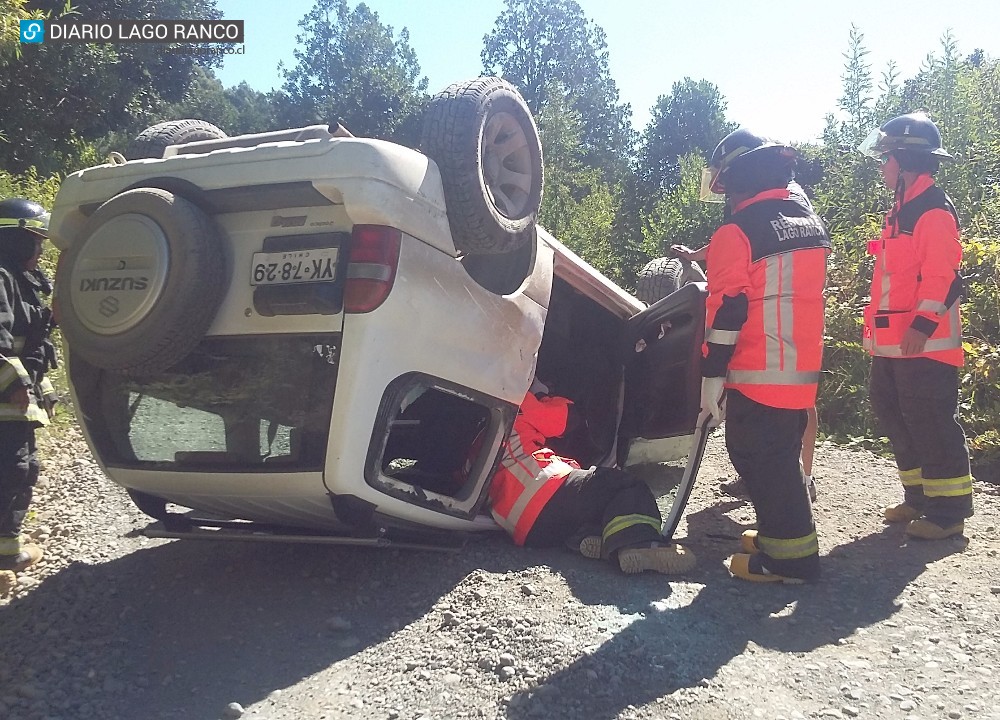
(353, 68)
(680, 217)
(578, 206)
(56, 94)
(691, 119)
(548, 46)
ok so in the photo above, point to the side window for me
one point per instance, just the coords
(435, 444)
(433, 440)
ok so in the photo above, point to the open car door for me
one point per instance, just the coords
(662, 347)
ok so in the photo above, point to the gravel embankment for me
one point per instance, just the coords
(113, 625)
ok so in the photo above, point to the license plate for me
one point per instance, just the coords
(294, 266)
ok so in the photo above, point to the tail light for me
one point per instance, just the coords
(371, 267)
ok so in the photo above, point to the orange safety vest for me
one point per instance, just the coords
(529, 472)
(916, 281)
(766, 274)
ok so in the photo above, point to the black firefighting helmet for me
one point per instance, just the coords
(23, 224)
(20, 215)
(743, 153)
(912, 134)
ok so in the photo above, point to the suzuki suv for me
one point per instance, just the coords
(308, 333)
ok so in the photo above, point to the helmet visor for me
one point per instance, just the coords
(872, 146)
(37, 225)
(709, 188)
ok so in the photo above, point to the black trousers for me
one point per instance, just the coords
(764, 446)
(18, 474)
(915, 401)
(588, 501)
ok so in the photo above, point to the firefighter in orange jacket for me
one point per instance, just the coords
(764, 346)
(544, 500)
(914, 332)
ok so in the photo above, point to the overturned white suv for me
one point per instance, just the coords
(304, 334)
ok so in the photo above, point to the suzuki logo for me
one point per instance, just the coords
(108, 306)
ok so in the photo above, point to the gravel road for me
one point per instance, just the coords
(114, 625)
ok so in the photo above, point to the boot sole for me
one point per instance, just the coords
(591, 546)
(739, 567)
(668, 560)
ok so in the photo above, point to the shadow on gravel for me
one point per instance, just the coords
(180, 630)
(710, 618)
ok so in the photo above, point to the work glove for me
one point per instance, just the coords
(713, 404)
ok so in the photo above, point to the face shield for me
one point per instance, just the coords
(708, 190)
(871, 146)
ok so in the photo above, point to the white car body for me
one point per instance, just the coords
(438, 334)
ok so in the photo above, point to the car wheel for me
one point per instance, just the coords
(658, 278)
(140, 288)
(152, 141)
(484, 140)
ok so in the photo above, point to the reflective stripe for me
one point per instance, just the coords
(10, 546)
(773, 377)
(778, 317)
(18, 345)
(623, 522)
(911, 478)
(524, 469)
(10, 412)
(13, 368)
(722, 337)
(791, 549)
(946, 343)
(45, 387)
(948, 487)
(933, 306)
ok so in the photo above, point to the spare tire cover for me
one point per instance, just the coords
(484, 140)
(140, 287)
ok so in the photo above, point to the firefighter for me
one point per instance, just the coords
(764, 345)
(913, 331)
(26, 353)
(544, 500)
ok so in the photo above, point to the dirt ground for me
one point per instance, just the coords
(115, 625)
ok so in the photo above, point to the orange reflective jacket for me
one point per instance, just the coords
(529, 472)
(765, 308)
(916, 281)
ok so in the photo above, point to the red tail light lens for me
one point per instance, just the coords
(371, 268)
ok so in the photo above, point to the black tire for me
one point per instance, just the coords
(658, 278)
(152, 141)
(140, 288)
(484, 140)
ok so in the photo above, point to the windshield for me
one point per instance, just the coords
(234, 404)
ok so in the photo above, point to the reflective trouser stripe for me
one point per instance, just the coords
(10, 546)
(18, 344)
(623, 522)
(911, 478)
(948, 487)
(790, 549)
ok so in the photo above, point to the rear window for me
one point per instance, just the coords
(234, 404)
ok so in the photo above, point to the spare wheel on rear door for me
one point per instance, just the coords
(141, 286)
(152, 141)
(483, 139)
